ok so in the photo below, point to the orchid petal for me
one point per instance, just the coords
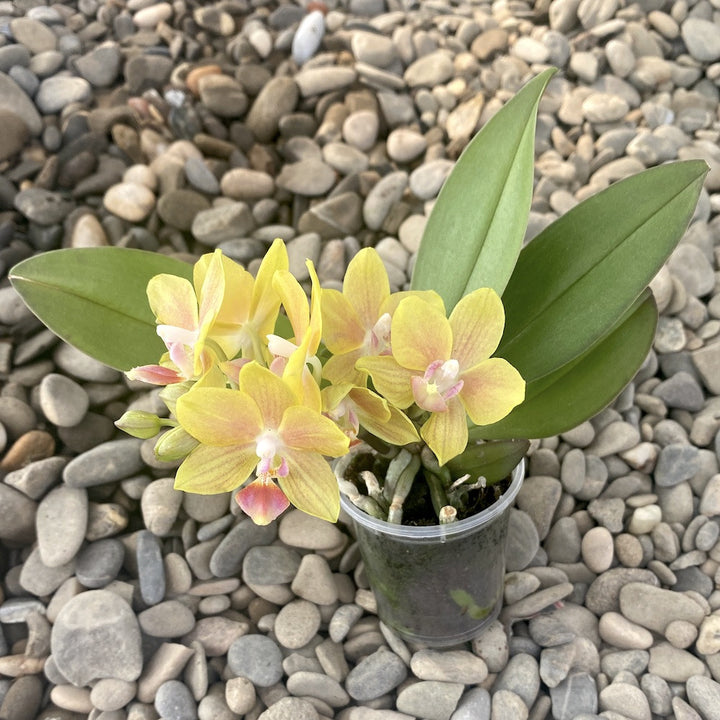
(294, 300)
(491, 390)
(270, 392)
(396, 429)
(305, 429)
(333, 395)
(341, 368)
(342, 328)
(311, 486)
(231, 368)
(219, 416)
(262, 500)
(446, 432)
(428, 296)
(370, 404)
(213, 378)
(420, 334)
(366, 286)
(212, 292)
(209, 470)
(265, 300)
(390, 379)
(315, 329)
(173, 301)
(155, 374)
(183, 357)
(477, 323)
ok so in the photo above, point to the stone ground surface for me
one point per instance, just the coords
(184, 126)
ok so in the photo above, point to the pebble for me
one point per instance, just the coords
(377, 674)
(314, 581)
(62, 519)
(598, 549)
(315, 81)
(673, 664)
(130, 201)
(108, 462)
(701, 39)
(99, 563)
(167, 619)
(621, 633)
(574, 696)
(360, 129)
(338, 131)
(383, 196)
(96, 635)
(676, 463)
(405, 145)
(15, 100)
(626, 699)
(704, 695)
(245, 184)
(296, 624)
(289, 707)
(430, 70)
(308, 36)
(15, 136)
(56, 93)
(174, 701)
(42, 206)
(431, 699)
(63, 401)
(310, 177)
(256, 658)
(449, 666)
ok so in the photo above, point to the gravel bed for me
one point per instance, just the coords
(180, 127)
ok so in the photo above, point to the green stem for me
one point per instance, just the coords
(437, 492)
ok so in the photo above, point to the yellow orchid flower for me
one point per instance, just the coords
(356, 321)
(222, 312)
(352, 407)
(184, 315)
(261, 427)
(444, 367)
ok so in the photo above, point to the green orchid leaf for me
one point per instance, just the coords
(580, 389)
(477, 225)
(94, 299)
(493, 460)
(579, 276)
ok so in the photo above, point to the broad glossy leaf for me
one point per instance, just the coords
(494, 460)
(578, 277)
(94, 299)
(579, 390)
(476, 227)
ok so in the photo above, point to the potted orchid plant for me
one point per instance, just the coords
(409, 410)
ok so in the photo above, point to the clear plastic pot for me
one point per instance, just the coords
(437, 585)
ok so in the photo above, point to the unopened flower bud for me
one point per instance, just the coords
(170, 394)
(175, 444)
(139, 424)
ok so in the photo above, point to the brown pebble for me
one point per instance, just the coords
(193, 77)
(33, 445)
(22, 699)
